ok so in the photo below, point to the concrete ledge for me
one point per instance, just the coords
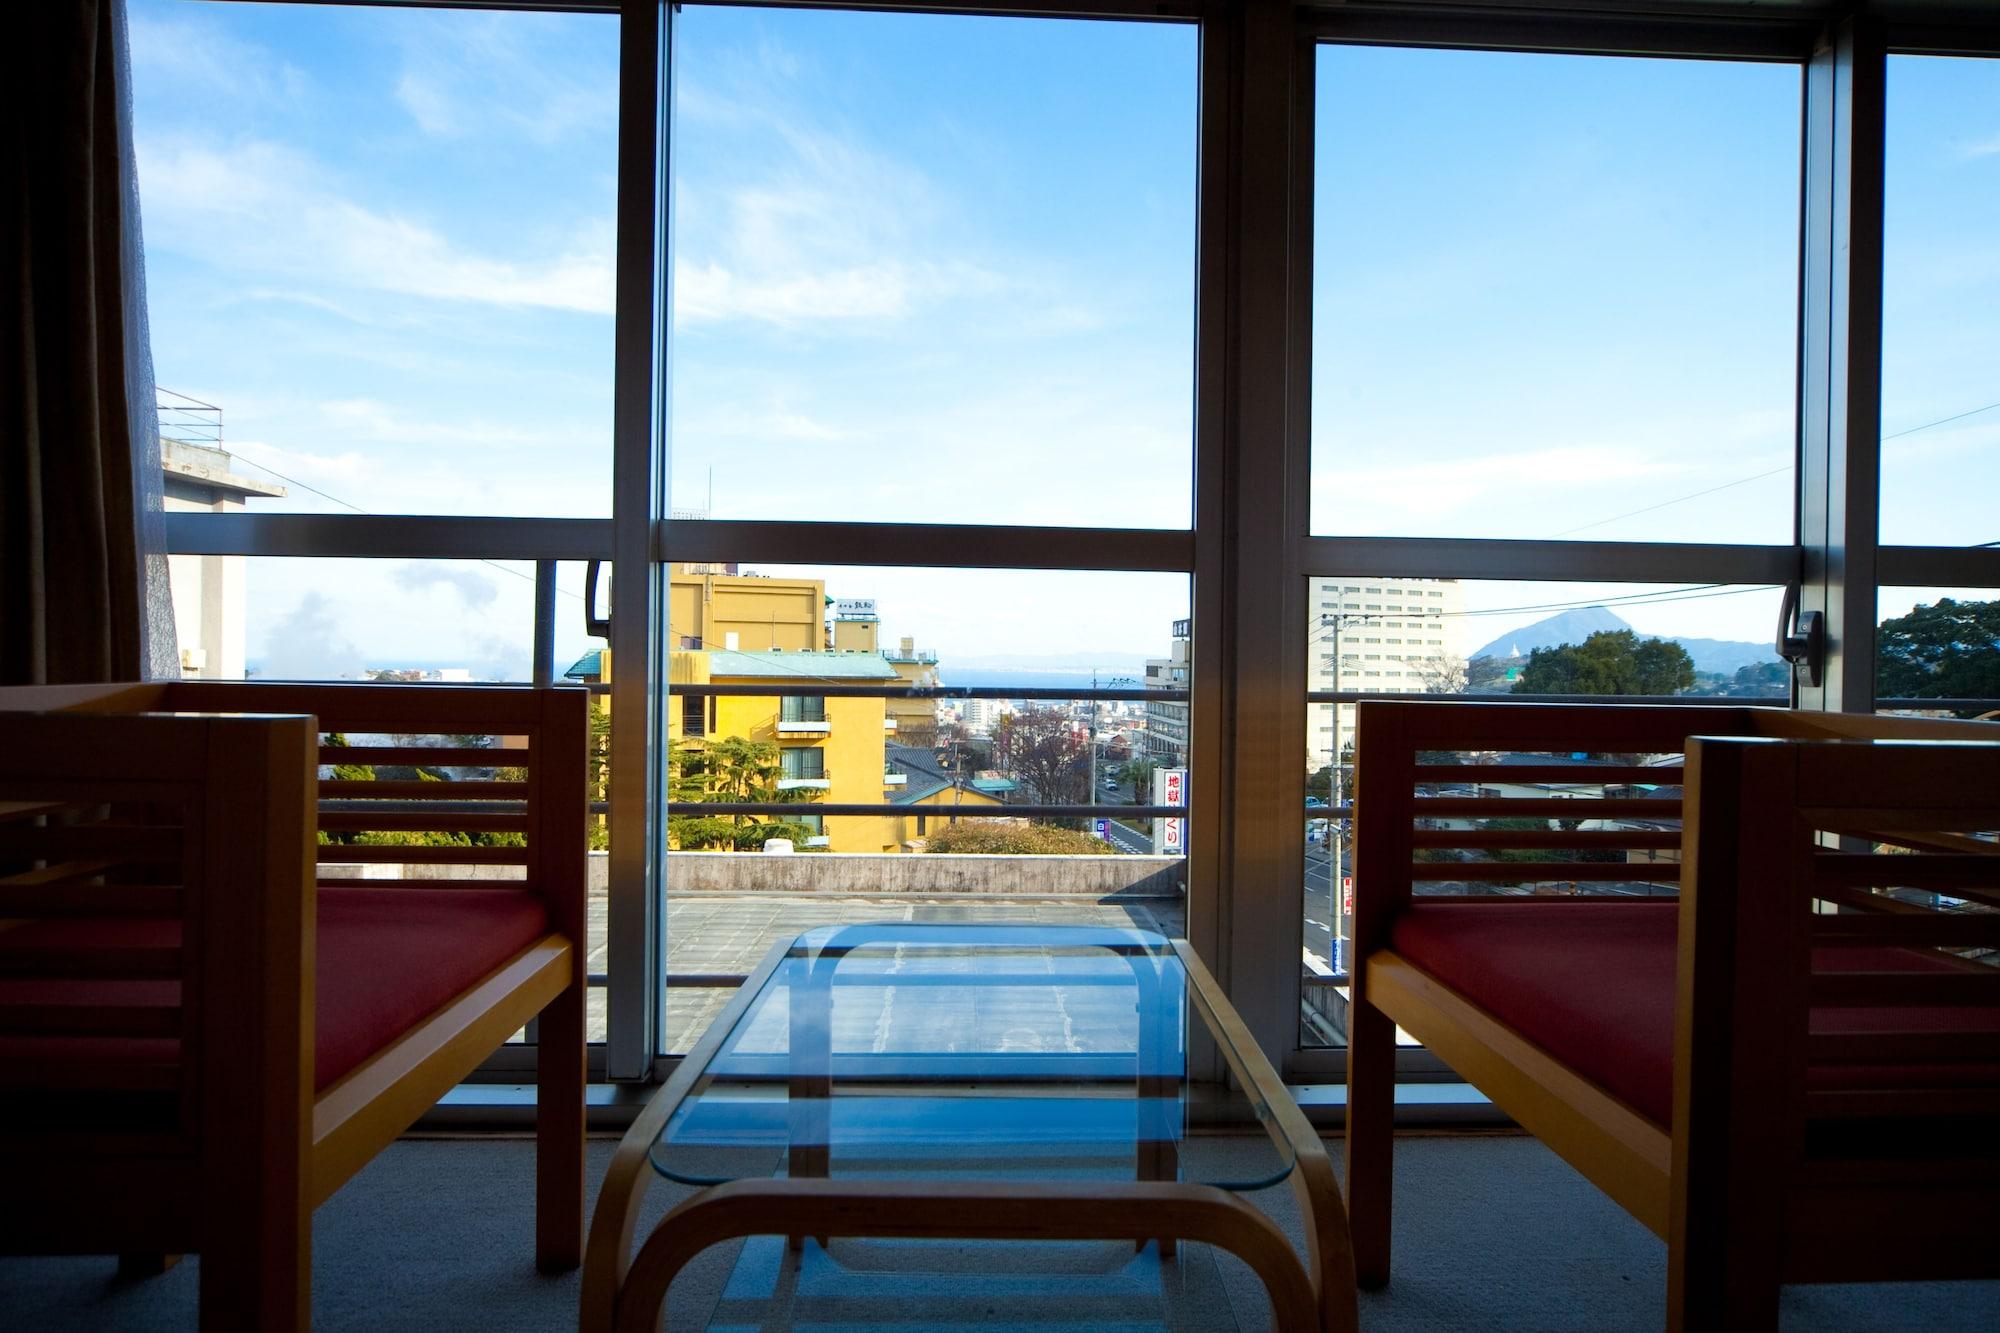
(864, 874)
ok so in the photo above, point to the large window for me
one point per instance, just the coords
(1520, 267)
(1518, 260)
(933, 269)
(379, 251)
(1940, 300)
(1028, 470)
(977, 744)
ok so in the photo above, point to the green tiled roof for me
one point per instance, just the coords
(588, 667)
(730, 663)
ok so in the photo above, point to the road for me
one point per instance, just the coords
(1126, 840)
(1320, 908)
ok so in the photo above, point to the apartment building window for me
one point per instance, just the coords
(803, 762)
(694, 716)
(802, 708)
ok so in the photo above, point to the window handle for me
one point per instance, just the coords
(1801, 636)
(593, 624)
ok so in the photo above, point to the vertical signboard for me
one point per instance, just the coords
(1170, 834)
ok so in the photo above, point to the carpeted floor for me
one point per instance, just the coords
(1492, 1232)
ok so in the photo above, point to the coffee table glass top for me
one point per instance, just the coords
(970, 1052)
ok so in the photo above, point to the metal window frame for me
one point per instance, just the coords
(634, 919)
(1251, 451)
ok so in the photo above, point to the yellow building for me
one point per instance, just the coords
(913, 721)
(833, 750)
(712, 606)
(933, 794)
(749, 630)
(830, 748)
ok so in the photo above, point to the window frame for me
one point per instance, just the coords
(1249, 552)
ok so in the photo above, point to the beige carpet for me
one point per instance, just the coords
(1491, 1233)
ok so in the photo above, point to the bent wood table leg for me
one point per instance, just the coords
(1329, 1245)
(978, 1210)
(608, 1248)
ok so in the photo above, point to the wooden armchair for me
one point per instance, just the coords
(1790, 1071)
(205, 1027)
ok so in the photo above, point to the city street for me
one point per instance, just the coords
(1128, 840)
(1321, 909)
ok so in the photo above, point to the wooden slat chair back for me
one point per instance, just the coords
(160, 848)
(1838, 1028)
(1517, 807)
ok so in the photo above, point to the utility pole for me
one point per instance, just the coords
(1336, 825)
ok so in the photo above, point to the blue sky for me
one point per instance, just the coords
(941, 269)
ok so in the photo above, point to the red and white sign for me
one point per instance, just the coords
(1170, 788)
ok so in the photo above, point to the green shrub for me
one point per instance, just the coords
(995, 837)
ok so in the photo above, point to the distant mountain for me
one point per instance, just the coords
(1563, 627)
(1721, 656)
(1726, 656)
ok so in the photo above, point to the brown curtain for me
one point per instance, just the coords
(83, 587)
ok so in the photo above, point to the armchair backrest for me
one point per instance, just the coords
(1840, 922)
(440, 784)
(1460, 796)
(156, 891)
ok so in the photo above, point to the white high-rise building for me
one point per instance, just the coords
(1394, 636)
(1167, 723)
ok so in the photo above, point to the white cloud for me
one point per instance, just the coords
(183, 55)
(1982, 147)
(265, 208)
(1413, 492)
(337, 473)
(543, 78)
(367, 419)
(808, 223)
(778, 422)
(475, 589)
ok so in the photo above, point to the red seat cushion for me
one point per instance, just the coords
(386, 959)
(1590, 983)
(1593, 985)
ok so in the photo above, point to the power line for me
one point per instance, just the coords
(1941, 421)
(1693, 592)
(324, 495)
(1741, 481)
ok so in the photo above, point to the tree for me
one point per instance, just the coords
(1608, 662)
(1138, 775)
(1320, 784)
(1947, 650)
(348, 772)
(1759, 680)
(1440, 674)
(1487, 674)
(959, 751)
(1006, 837)
(1048, 752)
(415, 838)
(597, 775)
(729, 768)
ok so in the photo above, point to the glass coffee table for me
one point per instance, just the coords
(978, 1082)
